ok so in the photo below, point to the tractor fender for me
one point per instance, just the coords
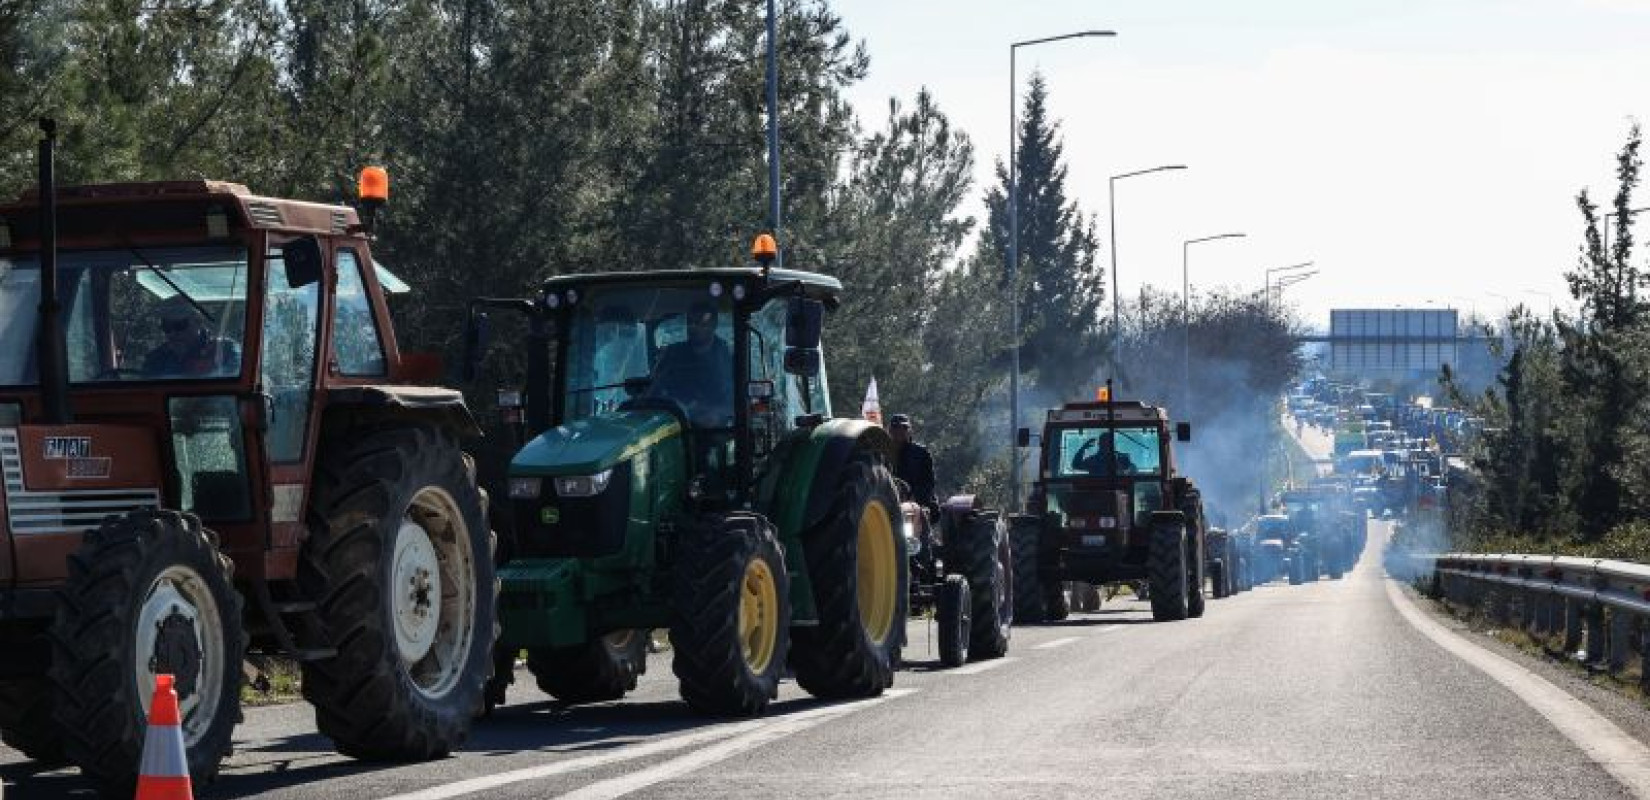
(443, 408)
(838, 442)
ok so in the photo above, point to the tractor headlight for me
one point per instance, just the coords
(583, 485)
(912, 544)
(525, 488)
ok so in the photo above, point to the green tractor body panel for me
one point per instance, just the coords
(591, 445)
(560, 595)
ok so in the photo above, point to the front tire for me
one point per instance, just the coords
(592, 672)
(951, 612)
(400, 563)
(1166, 568)
(858, 566)
(147, 593)
(733, 617)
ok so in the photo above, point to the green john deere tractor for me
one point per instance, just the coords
(682, 471)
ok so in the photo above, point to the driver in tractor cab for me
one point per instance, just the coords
(913, 464)
(1094, 463)
(698, 372)
(189, 350)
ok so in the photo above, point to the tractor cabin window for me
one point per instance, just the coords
(1081, 452)
(131, 314)
(356, 347)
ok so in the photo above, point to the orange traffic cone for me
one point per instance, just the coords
(164, 773)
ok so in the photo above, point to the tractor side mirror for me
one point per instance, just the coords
(1022, 437)
(802, 362)
(302, 259)
(477, 332)
(1183, 431)
(804, 324)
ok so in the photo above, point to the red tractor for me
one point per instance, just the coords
(213, 446)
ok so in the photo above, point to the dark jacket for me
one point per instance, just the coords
(914, 465)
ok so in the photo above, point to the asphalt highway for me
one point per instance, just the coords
(1291, 692)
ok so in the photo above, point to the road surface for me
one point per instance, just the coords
(1288, 692)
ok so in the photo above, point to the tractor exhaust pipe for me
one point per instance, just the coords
(52, 350)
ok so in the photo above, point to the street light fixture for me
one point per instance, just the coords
(1116, 293)
(1269, 273)
(1186, 313)
(1014, 240)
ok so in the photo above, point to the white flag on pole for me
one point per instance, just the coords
(872, 409)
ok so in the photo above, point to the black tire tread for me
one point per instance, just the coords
(592, 672)
(362, 699)
(952, 614)
(95, 704)
(981, 551)
(708, 658)
(1024, 533)
(1167, 573)
(835, 659)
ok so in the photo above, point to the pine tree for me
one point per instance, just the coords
(1060, 281)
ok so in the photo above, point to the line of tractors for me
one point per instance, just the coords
(213, 446)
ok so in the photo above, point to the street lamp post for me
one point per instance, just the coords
(1014, 244)
(1608, 215)
(1116, 293)
(1186, 314)
(1269, 272)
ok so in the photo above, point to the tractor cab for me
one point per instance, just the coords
(203, 325)
(1106, 467)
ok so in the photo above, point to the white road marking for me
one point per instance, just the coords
(979, 667)
(1625, 758)
(1055, 643)
(628, 753)
(721, 751)
(633, 752)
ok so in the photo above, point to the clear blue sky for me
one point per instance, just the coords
(1417, 151)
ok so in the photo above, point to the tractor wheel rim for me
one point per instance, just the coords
(179, 593)
(433, 593)
(758, 616)
(877, 572)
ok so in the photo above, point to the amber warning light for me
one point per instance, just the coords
(1102, 394)
(764, 249)
(374, 186)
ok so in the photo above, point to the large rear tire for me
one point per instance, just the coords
(592, 672)
(1025, 533)
(858, 566)
(951, 613)
(1167, 572)
(732, 621)
(147, 593)
(400, 563)
(982, 550)
(1217, 578)
(26, 722)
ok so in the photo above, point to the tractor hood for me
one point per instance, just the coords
(593, 444)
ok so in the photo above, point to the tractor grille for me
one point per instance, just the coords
(60, 512)
(583, 527)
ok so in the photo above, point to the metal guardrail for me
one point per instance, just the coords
(1600, 608)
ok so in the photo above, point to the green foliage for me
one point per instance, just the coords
(527, 138)
(1566, 454)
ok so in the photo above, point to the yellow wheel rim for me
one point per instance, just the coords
(758, 615)
(878, 579)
